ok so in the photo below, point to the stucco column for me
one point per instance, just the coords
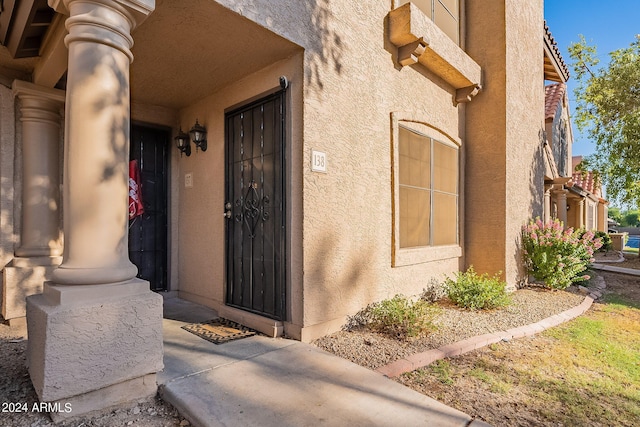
(547, 205)
(562, 206)
(40, 243)
(41, 120)
(95, 332)
(97, 140)
(580, 214)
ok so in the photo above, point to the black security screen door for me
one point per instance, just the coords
(255, 207)
(148, 232)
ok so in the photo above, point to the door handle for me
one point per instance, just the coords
(227, 214)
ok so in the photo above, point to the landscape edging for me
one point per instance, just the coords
(420, 360)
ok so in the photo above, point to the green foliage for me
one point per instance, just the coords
(442, 371)
(477, 291)
(626, 218)
(631, 219)
(556, 256)
(615, 214)
(608, 108)
(401, 317)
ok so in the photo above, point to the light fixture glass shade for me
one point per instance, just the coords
(183, 143)
(199, 136)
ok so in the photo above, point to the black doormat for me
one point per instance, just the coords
(219, 331)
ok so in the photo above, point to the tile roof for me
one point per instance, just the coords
(585, 180)
(555, 67)
(552, 96)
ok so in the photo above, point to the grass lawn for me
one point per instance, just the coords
(585, 372)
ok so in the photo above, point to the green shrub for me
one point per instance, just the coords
(476, 292)
(401, 317)
(556, 256)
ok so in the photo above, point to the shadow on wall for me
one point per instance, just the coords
(340, 279)
(535, 208)
(326, 49)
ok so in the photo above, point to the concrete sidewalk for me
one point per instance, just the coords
(614, 269)
(261, 381)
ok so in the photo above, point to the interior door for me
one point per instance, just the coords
(148, 232)
(255, 207)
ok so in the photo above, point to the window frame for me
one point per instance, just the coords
(433, 16)
(421, 254)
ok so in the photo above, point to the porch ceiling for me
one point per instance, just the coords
(186, 52)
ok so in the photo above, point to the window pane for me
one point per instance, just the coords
(452, 6)
(445, 168)
(423, 5)
(415, 158)
(446, 22)
(414, 217)
(445, 219)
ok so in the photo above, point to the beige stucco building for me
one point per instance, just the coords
(572, 196)
(354, 151)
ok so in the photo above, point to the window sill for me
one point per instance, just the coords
(411, 256)
(419, 40)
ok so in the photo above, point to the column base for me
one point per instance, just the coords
(82, 342)
(21, 278)
(103, 399)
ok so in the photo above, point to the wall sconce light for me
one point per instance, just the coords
(199, 136)
(183, 143)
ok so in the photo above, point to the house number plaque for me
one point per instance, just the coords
(318, 161)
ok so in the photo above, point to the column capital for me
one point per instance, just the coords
(137, 10)
(23, 89)
(39, 104)
(107, 22)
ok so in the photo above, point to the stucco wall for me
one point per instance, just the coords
(348, 211)
(345, 86)
(201, 262)
(341, 221)
(505, 166)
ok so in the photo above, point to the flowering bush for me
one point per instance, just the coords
(556, 256)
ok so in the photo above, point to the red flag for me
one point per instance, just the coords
(135, 196)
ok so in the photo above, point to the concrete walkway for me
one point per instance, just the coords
(261, 381)
(614, 269)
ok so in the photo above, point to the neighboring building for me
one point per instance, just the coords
(573, 197)
(590, 209)
(354, 150)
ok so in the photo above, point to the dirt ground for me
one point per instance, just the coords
(631, 261)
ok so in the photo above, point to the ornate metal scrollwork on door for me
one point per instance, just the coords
(252, 209)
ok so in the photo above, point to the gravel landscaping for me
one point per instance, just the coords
(373, 350)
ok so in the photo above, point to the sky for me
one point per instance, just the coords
(609, 25)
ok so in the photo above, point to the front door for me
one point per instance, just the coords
(255, 207)
(148, 232)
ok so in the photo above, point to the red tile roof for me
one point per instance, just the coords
(550, 70)
(552, 97)
(587, 181)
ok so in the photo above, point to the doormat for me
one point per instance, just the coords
(219, 331)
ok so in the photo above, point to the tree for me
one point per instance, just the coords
(615, 214)
(608, 108)
(632, 219)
